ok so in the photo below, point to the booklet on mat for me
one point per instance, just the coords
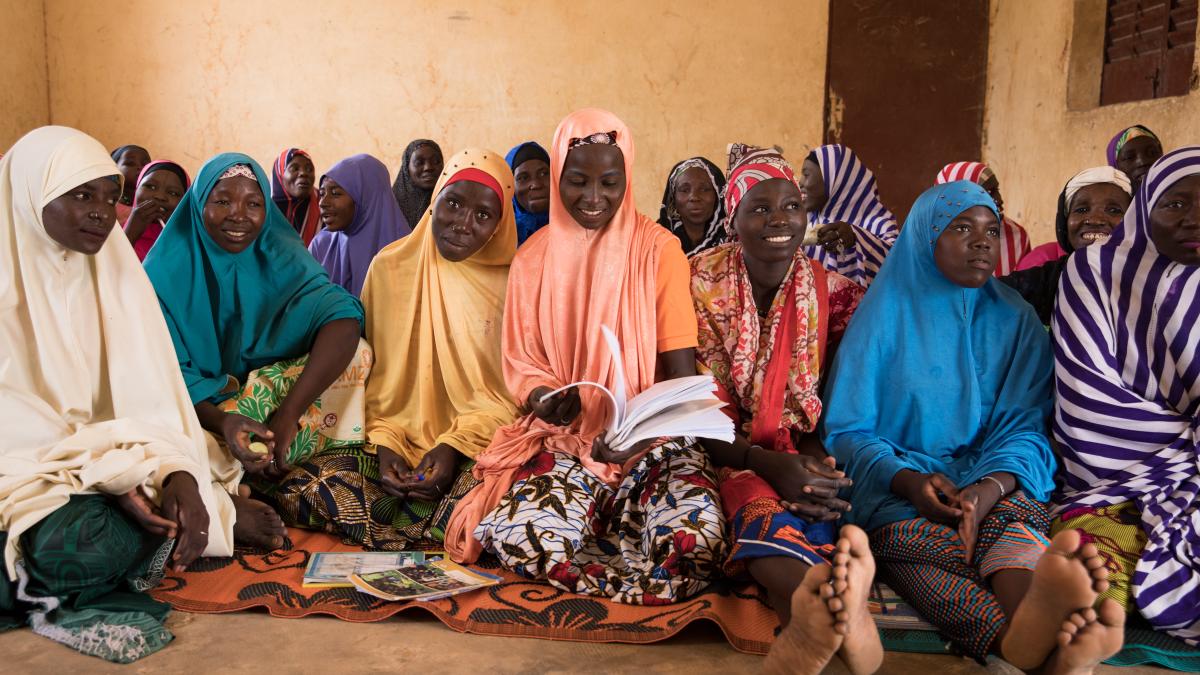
(333, 570)
(685, 406)
(427, 581)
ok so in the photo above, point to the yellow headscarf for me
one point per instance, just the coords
(435, 326)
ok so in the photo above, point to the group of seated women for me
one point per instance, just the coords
(386, 367)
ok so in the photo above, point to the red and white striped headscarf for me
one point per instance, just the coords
(1014, 241)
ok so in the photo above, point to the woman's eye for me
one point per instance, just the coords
(452, 203)
(795, 206)
(760, 209)
(482, 215)
(994, 232)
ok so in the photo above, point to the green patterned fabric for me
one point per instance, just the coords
(82, 578)
(338, 491)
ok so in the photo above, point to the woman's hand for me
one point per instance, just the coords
(934, 496)
(837, 236)
(236, 430)
(432, 478)
(602, 453)
(807, 486)
(137, 504)
(976, 502)
(560, 409)
(284, 426)
(141, 216)
(181, 503)
(392, 470)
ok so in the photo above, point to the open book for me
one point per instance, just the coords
(425, 581)
(685, 406)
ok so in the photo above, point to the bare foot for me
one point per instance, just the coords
(809, 641)
(257, 525)
(853, 571)
(1067, 579)
(1087, 638)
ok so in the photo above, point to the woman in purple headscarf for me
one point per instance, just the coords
(360, 218)
(1128, 393)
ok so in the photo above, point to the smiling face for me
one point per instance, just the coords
(1094, 212)
(968, 249)
(533, 185)
(234, 213)
(593, 184)
(695, 197)
(1137, 156)
(82, 218)
(130, 163)
(337, 206)
(770, 221)
(298, 176)
(1175, 221)
(424, 166)
(812, 186)
(465, 215)
(163, 186)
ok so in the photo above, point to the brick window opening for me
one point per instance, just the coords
(1149, 48)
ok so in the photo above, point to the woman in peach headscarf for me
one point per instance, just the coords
(642, 526)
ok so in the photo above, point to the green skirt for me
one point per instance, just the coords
(82, 578)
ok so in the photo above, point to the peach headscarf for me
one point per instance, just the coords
(565, 282)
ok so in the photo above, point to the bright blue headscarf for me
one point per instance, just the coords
(231, 313)
(528, 222)
(938, 378)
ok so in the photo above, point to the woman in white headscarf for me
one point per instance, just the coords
(105, 473)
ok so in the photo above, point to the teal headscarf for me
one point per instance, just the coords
(231, 313)
(935, 377)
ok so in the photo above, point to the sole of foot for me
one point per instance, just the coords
(853, 572)
(1068, 578)
(1087, 638)
(806, 645)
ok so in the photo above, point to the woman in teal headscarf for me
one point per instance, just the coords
(936, 410)
(269, 347)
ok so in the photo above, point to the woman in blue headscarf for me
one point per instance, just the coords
(936, 410)
(269, 347)
(530, 164)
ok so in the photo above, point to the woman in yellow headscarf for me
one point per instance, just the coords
(434, 304)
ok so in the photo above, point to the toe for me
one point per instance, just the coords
(1065, 542)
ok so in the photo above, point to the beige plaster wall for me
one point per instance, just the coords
(1033, 139)
(192, 79)
(24, 104)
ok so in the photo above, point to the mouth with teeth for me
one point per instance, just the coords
(1095, 235)
(236, 236)
(779, 239)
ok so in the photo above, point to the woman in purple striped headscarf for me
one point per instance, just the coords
(1128, 383)
(854, 229)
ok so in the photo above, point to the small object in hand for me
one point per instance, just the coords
(420, 477)
(258, 448)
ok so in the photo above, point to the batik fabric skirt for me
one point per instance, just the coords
(657, 538)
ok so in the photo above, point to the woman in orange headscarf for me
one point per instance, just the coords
(642, 526)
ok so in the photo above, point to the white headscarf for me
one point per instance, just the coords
(91, 396)
(1093, 176)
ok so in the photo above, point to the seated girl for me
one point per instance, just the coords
(1132, 151)
(435, 306)
(693, 205)
(105, 474)
(641, 525)
(854, 229)
(130, 159)
(942, 432)
(1126, 421)
(1090, 209)
(530, 165)
(294, 191)
(419, 170)
(269, 348)
(360, 217)
(159, 188)
(768, 318)
(1014, 240)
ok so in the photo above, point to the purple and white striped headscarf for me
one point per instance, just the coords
(1128, 389)
(854, 199)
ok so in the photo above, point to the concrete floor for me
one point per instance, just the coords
(252, 642)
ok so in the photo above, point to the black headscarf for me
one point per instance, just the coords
(116, 154)
(412, 199)
(714, 232)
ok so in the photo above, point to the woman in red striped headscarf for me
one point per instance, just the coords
(1014, 240)
(294, 191)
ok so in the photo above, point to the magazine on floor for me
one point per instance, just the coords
(333, 570)
(426, 581)
(684, 406)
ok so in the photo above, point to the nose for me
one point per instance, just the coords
(1191, 218)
